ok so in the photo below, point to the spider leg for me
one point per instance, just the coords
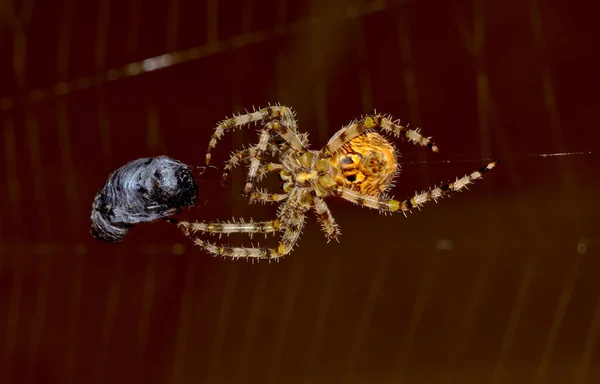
(291, 225)
(370, 122)
(282, 122)
(270, 167)
(324, 216)
(389, 205)
(264, 197)
(256, 195)
(228, 228)
(291, 218)
(241, 156)
(256, 159)
(261, 196)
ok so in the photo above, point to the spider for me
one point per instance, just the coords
(358, 164)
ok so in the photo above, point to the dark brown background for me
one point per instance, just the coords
(514, 299)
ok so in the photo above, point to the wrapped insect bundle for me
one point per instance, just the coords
(141, 191)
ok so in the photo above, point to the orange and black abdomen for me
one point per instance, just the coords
(366, 164)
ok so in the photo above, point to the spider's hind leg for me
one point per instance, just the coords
(380, 122)
(390, 205)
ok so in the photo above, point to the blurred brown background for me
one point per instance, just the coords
(496, 285)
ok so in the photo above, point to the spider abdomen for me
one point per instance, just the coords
(366, 164)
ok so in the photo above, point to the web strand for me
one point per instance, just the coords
(481, 159)
(171, 59)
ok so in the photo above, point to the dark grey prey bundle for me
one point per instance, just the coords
(141, 191)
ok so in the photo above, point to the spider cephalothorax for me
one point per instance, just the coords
(357, 164)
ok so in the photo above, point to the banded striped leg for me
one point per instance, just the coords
(260, 196)
(324, 216)
(256, 159)
(282, 119)
(357, 128)
(270, 167)
(264, 197)
(241, 156)
(389, 205)
(291, 234)
(255, 163)
(217, 228)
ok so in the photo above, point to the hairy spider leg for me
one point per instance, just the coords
(242, 156)
(390, 205)
(265, 197)
(328, 224)
(286, 127)
(220, 228)
(257, 157)
(257, 195)
(267, 168)
(370, 122)
(292, 218)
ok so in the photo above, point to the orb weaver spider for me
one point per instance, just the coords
(358, 164)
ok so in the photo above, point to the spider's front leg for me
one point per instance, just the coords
(285, 127)
(218, 228)
(355, 129)
(291, 234)
(256, 195)
(290, 219)
(390, 205)
(246, 155)
(261, 147)
(256, 159)
(264, 197)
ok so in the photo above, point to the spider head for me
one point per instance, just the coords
(366, 164)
